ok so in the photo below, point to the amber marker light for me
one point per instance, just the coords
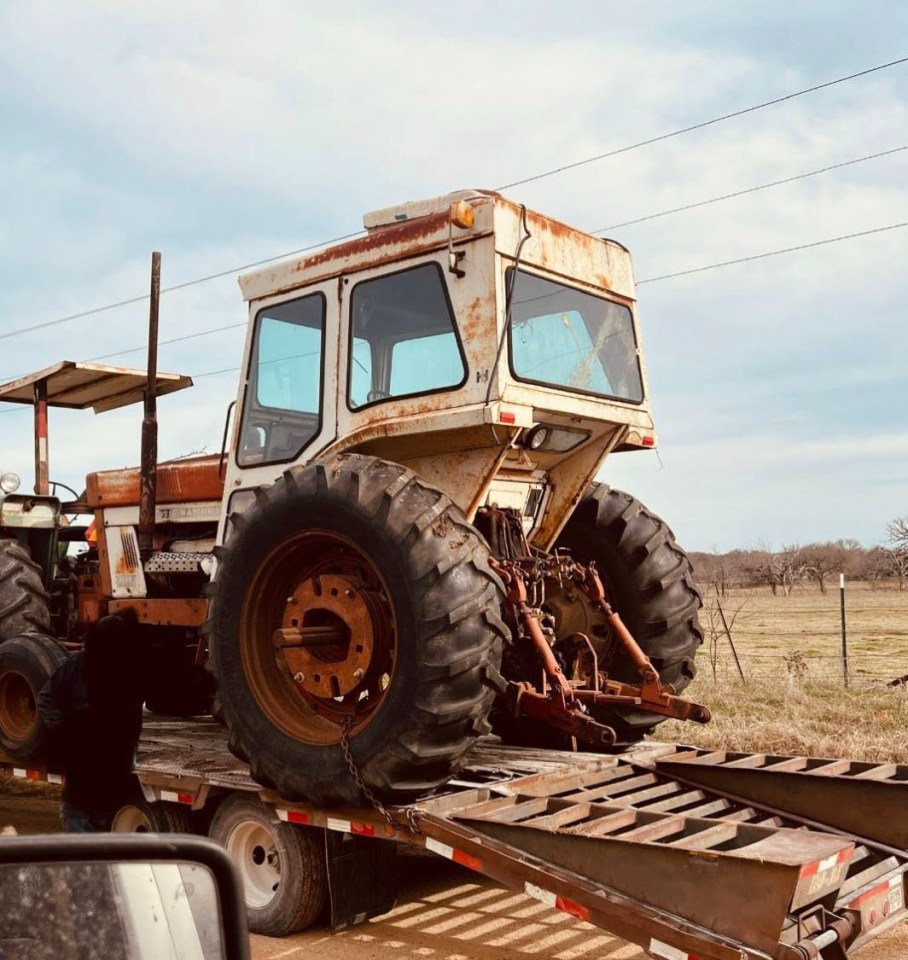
(461, 214)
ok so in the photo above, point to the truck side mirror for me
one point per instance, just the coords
(112, 896)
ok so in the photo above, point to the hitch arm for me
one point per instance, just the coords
(650, 696)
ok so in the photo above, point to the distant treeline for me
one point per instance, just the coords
(813, 563)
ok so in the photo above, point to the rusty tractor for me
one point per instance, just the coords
(402, 545)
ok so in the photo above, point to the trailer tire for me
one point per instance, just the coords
(24, 603)
(285, 880)
(140, 816)
(26, 664)
(370, 551)
(649, 581)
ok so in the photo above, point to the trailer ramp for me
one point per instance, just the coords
(680, 869)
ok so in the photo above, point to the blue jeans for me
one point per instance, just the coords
(79, 820)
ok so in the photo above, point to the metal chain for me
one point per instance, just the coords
(412, 814)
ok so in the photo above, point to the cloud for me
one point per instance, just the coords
(221, 134)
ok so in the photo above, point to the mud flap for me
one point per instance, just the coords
(362, 877)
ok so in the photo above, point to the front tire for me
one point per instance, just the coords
(283, 867)
(353, 597)
(649, 581)
(24, 603)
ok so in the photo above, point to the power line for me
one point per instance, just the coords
(772, 253)
(741, 193)
(666, 276)
(549, 173)
(700, 126)
(178, 286)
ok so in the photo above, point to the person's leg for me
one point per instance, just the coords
(75, 819)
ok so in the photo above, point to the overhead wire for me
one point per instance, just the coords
(177, 286)
(699, 126)
(741, 193)
(772, 253)
(540, 176)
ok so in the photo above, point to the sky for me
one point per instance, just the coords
(225, 134)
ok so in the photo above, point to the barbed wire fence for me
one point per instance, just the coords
(731, 631)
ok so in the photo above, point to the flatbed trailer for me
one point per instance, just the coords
(692, 855)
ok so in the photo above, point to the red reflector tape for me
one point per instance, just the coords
(186, 798)
(574, 909)
(458, 856)
(667, 952)
(876, 891)
(297, 816)
(362, 829)
(465, 860)
(553, 900)
(32, 774)
(820, 866)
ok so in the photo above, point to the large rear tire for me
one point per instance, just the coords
(353, 597)
(649, 581)
(26, 664)
(24, 603)
(285, 880)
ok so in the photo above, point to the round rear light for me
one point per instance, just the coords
(9, 482)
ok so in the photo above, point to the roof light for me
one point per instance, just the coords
(9, 482)
(461, 214)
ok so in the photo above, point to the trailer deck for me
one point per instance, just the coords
(690, 854)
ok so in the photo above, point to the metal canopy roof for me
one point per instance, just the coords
(81, 385)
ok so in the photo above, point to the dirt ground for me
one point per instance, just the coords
(444, 912)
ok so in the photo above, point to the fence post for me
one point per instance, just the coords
(844, 634)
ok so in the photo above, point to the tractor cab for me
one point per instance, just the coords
(491, 349)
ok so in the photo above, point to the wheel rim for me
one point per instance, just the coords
(18, 713)
(131, 819)
(254, 850)
(318, 638)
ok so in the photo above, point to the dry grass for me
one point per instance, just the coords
(813, 719)
(794, 700)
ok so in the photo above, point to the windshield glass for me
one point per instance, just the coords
(566, 338)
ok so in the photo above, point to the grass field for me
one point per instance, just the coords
(793, 699)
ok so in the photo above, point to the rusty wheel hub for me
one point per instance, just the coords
(318, 637)
(18, 712)
(328, 635)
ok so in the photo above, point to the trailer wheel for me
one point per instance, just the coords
(26, 664)
(649, 581)
(24, 603)
(139, 816)
(353, 597)
(283, 867)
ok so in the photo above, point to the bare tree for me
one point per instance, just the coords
(823, 560)
(898, 532)
(791, 567)
(898, 554)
